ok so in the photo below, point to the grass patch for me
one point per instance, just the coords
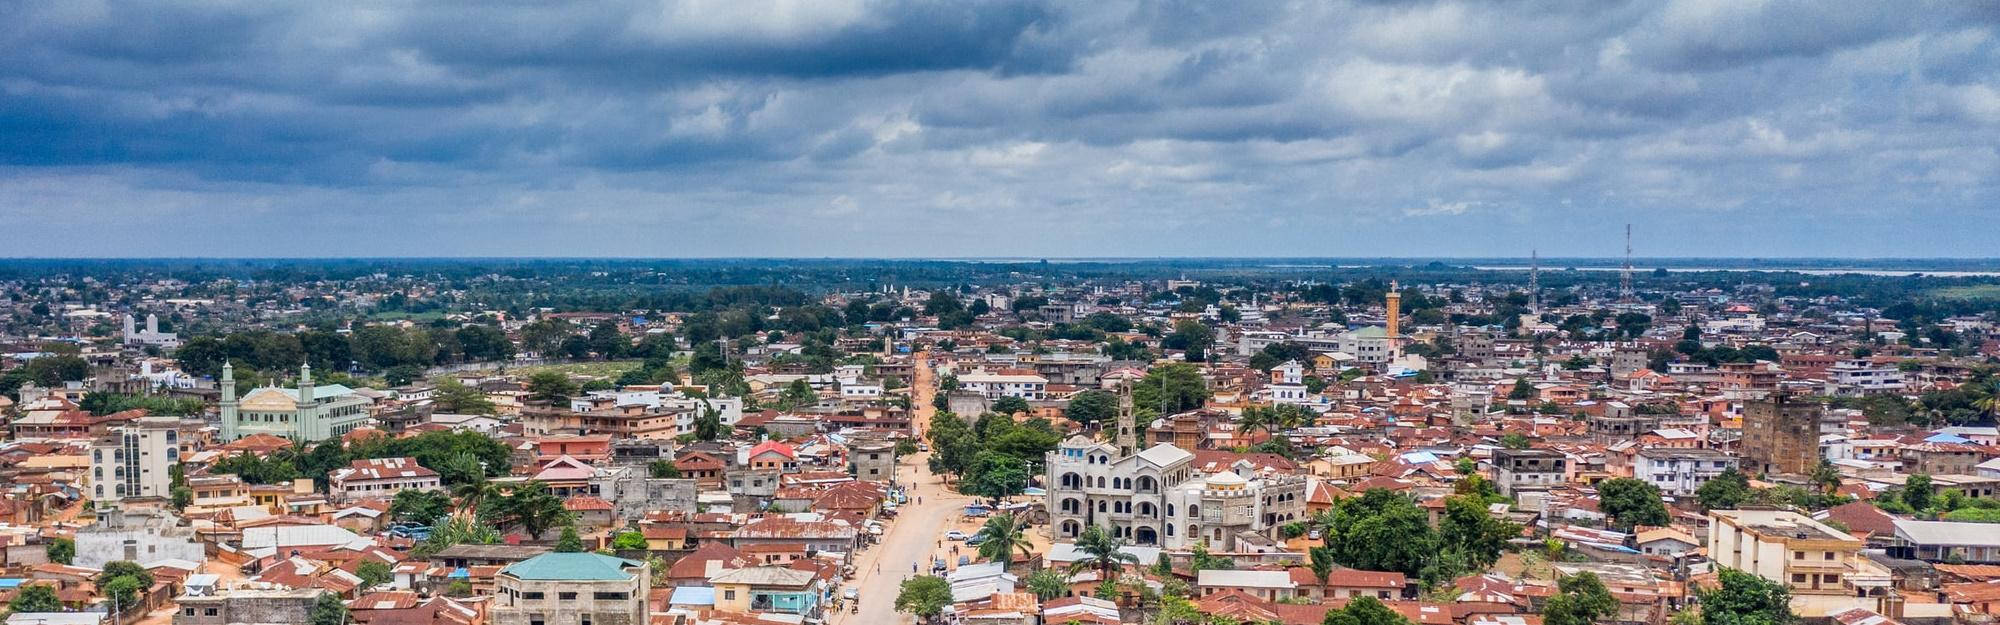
(1972, 292)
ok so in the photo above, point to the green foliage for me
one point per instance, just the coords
(454, 531)
(458, 457)
(1918, 491)
(1001, 538)
(424, 506)
(1184, 390)
(1514, 440)
(995, 474)
(124, 591)
(569, 542)
(1469, 530)
(1580, 599)
(1101, 550)
(630, 541)
(328, 609)
(35, 598)
(453, 397)
(1364, 610)
(1725, 491)
(531, 506)
(1010, 405)
(662, 469)
(1321, 561)
(123, 580)
(1632, 502)
(923, 597)
(108, 403)
(60, 550)
(551, 386)
(374, 573)
(1745, 599)
(1048, 584)
(1522, 390)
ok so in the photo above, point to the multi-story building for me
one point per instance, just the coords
(1517, 470)
(1156, 498)
(1941, 458)
(571, 589)
(381, 478)
(1680, 471)
(307, 413)
(1822, 566)
(874, 460)
(1288, 384)
(1781, 435)
(1849, 378)
(1225, 509)
(135, 461)
(998, 385)
(247, 604)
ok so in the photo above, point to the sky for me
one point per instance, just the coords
(839, 128)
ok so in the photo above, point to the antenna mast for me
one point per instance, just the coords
(1625, 276)
(1535, 281)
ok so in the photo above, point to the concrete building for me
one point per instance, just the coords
(767, 589)
(1822, 566)
(1947, 541)
(307, 413)
(1857, 377)
(152, 336)
(1517, 470)
(571, 589)
(148, 536)
(247, 605)
(1781, 435)
(1231, 511)
(135, 461)
(996, 386)
(1091, 484)
(874, 460)
(1679, 472)
(381, 478)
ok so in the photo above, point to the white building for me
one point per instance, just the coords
(996, 385)
(1156, 498)
(1679, 472)
(152, 336)
(1288, 385)
(135, 461)
(1856, 377)
(381, 478)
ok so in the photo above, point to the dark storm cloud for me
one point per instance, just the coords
(711, 127)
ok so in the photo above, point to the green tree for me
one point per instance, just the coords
(1725, 491)
(1580, 599)
(995, 474)
(630, 541)
(550, 386)
(1384, 531)
(569, 542)
(374, 573)
(1514, 440)
(1010, 405)
(1002, 538)
(1522, 390)
(1632, 502)
(1468, 529)
(1048, 584)
(923, 597)
(1364, 610)
(328, 609)
(424, 506)
(1183, 387)
(1321, 561)
(1098, 548)
(60, 550)
(662, 468)
(124, 568)
(1090, 408)
(124, 591)
(1745, 599)
(1918, 492)
(533, 507)
(35, 598)
(455, 398)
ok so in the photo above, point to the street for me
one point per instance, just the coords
(912, 538)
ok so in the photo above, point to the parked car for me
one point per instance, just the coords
(975, 539)
(850, 594)
(954, 535)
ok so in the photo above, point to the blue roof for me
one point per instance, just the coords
(571, 566)
(1947, 438)
(12, 582)
(693, 595)
(1419, 457)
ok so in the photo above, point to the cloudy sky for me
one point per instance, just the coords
(1101, 128)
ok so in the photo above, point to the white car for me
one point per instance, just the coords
(954, 535)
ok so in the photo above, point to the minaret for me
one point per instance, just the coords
(228, 404)
(1127, 436)
(1395, 305)
(306, 425)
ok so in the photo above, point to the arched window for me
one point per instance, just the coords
(1170, 529)
(1170, 511)
(1194, 511)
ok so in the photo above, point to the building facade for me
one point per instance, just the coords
(307, 413)
(571, 589)
(1678, 471)
(1781, 435)
(135, 461)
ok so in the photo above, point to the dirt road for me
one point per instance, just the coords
(914, 537)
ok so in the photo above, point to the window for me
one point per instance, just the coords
(566, 596)
(1798, 578)
(1831, 578)
(1798, 555)
(532, 595)
(209, 611)
(729, 595)
(608, 596)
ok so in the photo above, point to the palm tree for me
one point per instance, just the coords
(533, 507)
(1000, 538)
(1254, 418)
(1048, 584)
(473, 493)
(1102, 550)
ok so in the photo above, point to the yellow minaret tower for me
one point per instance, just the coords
(1395, 314)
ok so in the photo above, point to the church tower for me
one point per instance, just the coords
(228, 404)
(308, 415)
(1127, 436)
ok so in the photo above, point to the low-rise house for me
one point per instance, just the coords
(1940, 541)
(767, 589)
(381, 478)
(571, 589)
(1266, 585)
